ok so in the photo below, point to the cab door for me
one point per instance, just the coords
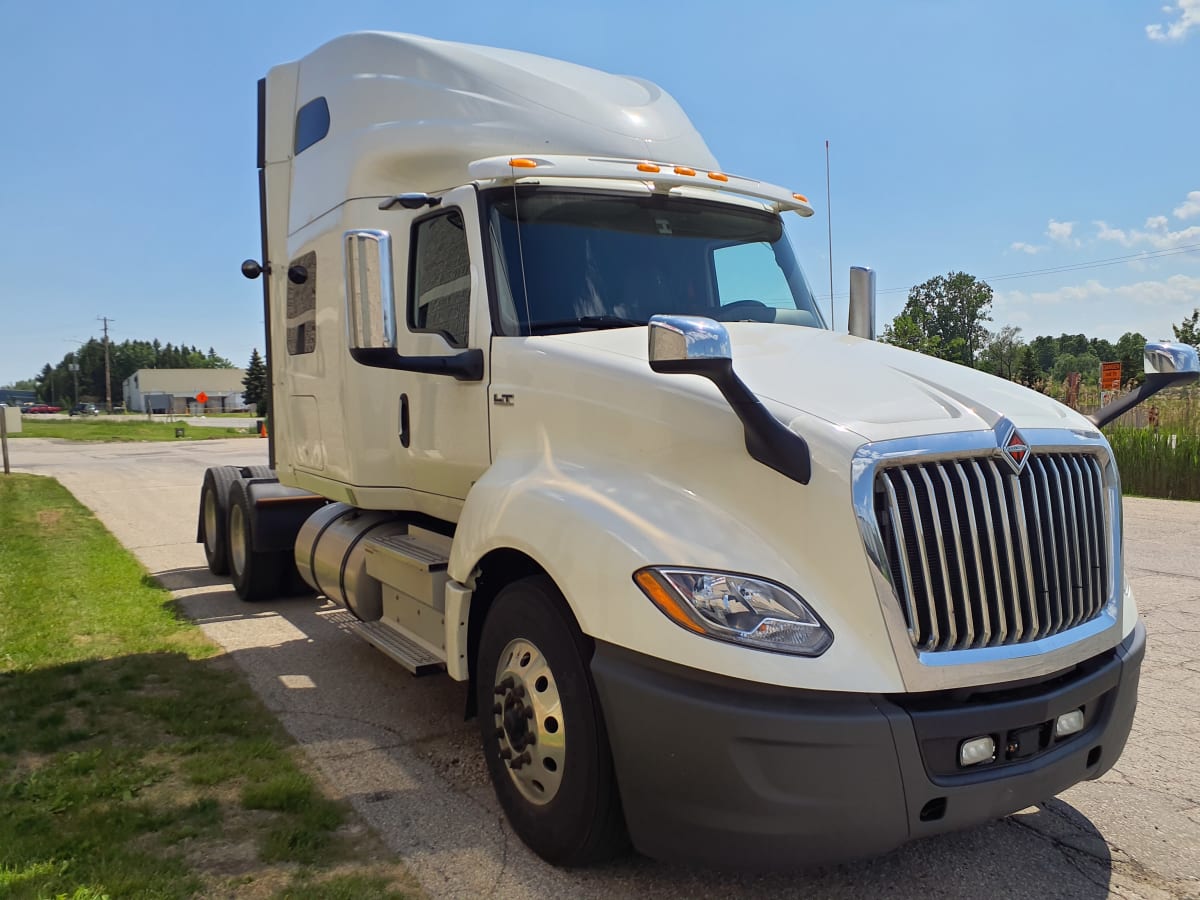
(419, 329)
(443, 429)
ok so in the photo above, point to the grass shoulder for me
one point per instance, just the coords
(134, 759)
(119, 429)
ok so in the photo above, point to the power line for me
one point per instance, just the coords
(1071, 267)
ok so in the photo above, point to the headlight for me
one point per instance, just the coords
(736, 608)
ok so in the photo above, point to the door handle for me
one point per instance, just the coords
(405, 434)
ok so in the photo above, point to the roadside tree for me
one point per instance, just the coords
(1188, 331)
(255, 382)
(945, 317)
(1004, 353)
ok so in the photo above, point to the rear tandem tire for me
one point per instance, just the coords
(214, 515)
(256, 575)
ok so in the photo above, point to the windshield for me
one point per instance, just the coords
(582, 260)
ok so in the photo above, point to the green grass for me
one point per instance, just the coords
(134, 760)
(1164, 464)
(112, 429)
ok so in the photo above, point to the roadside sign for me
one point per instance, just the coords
(1110, 376)
(202, 397)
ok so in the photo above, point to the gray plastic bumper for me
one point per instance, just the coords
(725, 772)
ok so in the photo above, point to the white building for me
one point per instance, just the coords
(176, 390)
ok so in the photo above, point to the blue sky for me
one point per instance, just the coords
(992, 138)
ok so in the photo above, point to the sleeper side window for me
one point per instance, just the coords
(302, 308)
(312, 124)
(440, 298)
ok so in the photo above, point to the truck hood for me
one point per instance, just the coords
(876, 390)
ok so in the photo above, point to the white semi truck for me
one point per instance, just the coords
(554, 411)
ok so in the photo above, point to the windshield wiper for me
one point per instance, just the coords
(586, 322)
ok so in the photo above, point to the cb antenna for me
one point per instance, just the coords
(829, 228)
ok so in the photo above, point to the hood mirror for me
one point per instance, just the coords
(1166, 358)
(677, 343)
(1167, 365)
(695, 345)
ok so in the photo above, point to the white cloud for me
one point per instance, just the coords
(1190, 207)
(1061, 232)
(1189, 18)
(1024, 247)
(1156, 234)
(1177, 289)
(1100, 310)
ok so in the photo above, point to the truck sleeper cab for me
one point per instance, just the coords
(554, 411)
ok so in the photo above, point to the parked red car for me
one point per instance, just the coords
(42, 408)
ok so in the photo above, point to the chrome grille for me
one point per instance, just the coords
(980, 556)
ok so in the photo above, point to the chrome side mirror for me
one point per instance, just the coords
(1167, 365)
(371, 313)
(678, 342)
(370, 302)
(861, 318)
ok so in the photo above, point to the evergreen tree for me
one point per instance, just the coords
(255, 382)
(1029, 373)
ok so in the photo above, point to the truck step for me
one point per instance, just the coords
(412, 656)
(413, 564)
(412, 550)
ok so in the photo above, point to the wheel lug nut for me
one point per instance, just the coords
(505, 753)
(519, 690)
(529, 712)
(521, 761)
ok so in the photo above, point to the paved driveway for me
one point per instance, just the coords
(399, 749)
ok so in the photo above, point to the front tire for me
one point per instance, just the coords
(256, 575)
(542, 729)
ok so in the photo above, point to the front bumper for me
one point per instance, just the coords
(724, 772)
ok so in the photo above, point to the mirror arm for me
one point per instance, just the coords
(1154, 383)
(465, 366)
(768, 440)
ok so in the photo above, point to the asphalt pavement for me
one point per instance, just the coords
(399, 750)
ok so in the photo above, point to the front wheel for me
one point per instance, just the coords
(543, 734)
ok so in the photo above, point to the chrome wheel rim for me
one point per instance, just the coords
(237, 539)
(210, 522)
(528, 717)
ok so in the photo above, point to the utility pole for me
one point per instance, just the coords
(74, 367)
(107, 371)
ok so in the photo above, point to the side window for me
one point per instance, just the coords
(440, 298)
(302, 308)
(312, 124)
(750, 272)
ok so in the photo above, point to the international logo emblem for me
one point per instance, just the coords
(1013, 447)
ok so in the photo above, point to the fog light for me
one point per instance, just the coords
(976, 750)
(1068, 723)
